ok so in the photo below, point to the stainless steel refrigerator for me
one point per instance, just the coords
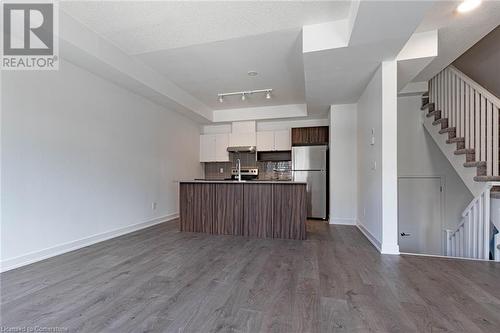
(310, 164)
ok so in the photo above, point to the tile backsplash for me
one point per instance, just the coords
(267, 170)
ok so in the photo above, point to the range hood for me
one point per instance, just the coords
(242, 149)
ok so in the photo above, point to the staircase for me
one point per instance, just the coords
(463, 118)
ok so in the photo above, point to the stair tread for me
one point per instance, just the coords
(426, 106)
(487, 178)
(459, 139)
(474, 164)
(449, 129)
(433, 113)
(439, 121)
(464, 151)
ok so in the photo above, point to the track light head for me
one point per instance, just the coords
(243, 97)
(268, 95)
(221, 98)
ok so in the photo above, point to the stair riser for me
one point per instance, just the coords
(460, 145)
(470, 157)
(452, 135)
(444, 123)
(481, 170)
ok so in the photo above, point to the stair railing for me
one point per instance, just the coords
(472, 110)
(472, 237)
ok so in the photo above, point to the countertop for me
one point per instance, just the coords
(244, 181)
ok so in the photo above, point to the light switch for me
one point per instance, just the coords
(372, 142)
(374, 165)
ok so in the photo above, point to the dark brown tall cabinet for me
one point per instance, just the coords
(310, 136)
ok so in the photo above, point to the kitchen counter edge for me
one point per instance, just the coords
(284, 182)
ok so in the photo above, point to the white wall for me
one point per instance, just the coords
(343, 164)
(369, 179)
(418, 155)
(83, 157)
(377, 163)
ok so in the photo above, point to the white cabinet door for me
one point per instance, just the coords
(265, 141)
(207, 148)
(242, 139)
(282, 140)
(221, 144)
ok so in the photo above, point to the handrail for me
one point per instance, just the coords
(473, 112)
(471, 237)
(485, 92)
(488, 186)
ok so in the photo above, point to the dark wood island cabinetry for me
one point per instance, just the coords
(252, 209)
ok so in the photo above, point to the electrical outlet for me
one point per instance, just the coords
(374, 165)
(153, 206)
(221, 170)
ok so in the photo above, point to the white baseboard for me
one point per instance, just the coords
(442, 257)
(390, 249)
(369, 236)
(342, 221)
(8, 264)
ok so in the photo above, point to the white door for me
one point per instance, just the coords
(282, 140)
(420, 216)
(221, 144)
(265, 141)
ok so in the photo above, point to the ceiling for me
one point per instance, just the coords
(207, 47)
(340, 75)
(146, 26)
(457, 32)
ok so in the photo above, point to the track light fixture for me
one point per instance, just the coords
(245, 94)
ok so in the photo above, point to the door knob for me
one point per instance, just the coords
(404, 234)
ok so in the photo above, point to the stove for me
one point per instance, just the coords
(246, 173)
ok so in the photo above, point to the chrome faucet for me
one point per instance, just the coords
(238, 167)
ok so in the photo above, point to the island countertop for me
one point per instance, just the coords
(264, 209)
(222, 181)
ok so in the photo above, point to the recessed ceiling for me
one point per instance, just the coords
(340, 75)
(222, 67)
(146, 26)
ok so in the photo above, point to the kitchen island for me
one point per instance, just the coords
(264, 209)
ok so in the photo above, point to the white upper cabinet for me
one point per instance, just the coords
(207, 147)
(221, 144)
(213, 147)
(274, 140)
(242, 139)
(265, 141)
(282, 140)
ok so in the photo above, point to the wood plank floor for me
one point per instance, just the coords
(162, 280)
